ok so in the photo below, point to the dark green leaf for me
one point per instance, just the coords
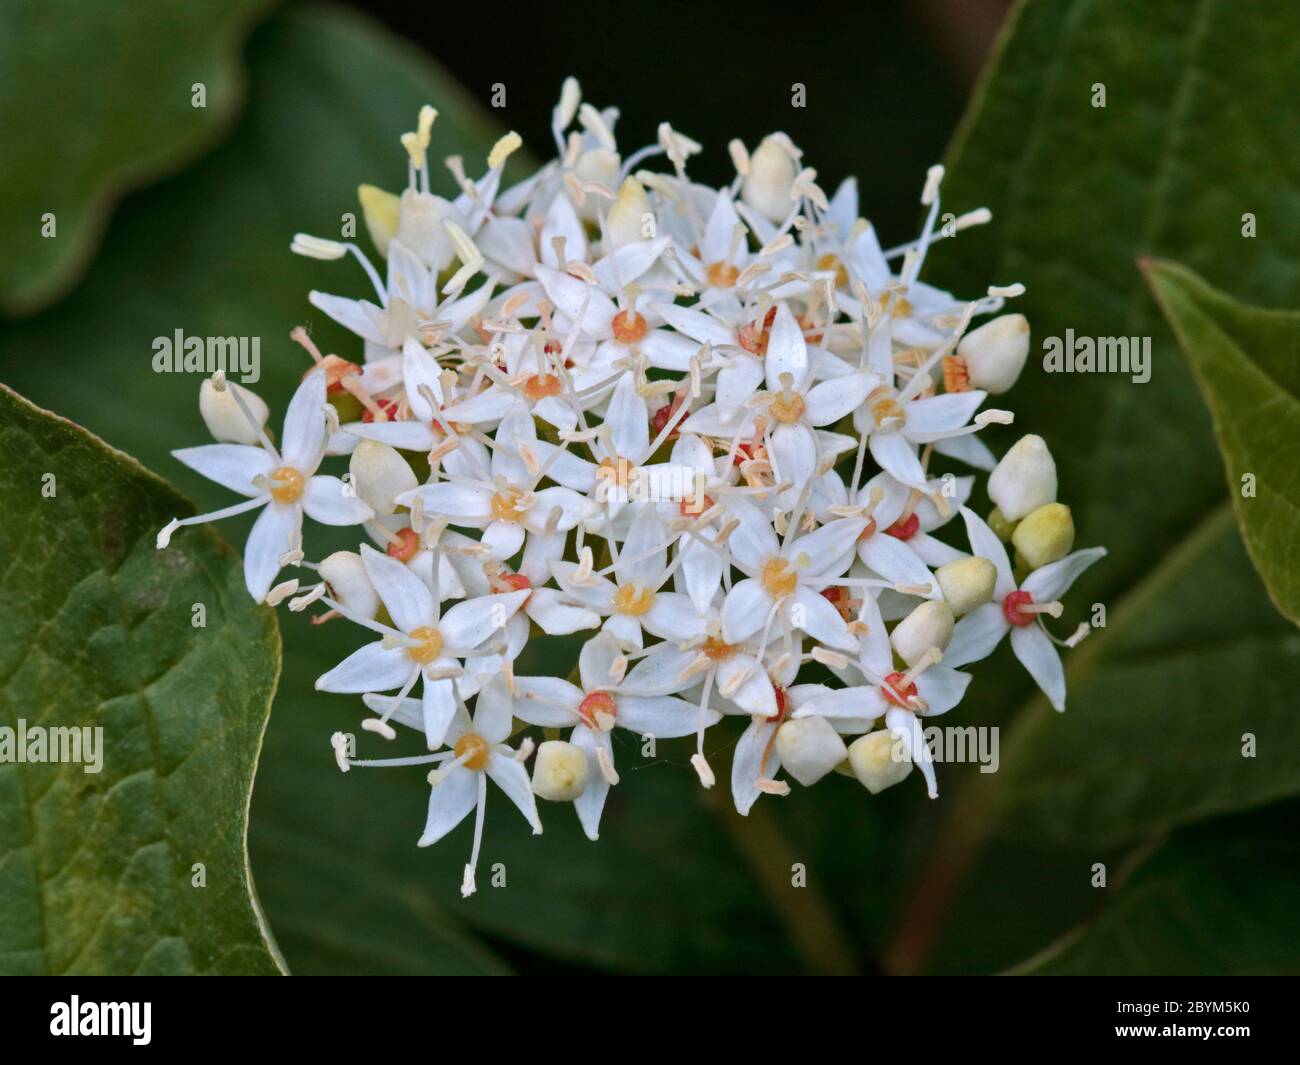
(101, 127)
(1247, 361)
(98, 866)
(1215, 900)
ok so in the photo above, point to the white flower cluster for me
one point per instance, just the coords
(695, 423)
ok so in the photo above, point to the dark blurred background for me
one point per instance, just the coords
(710, 70)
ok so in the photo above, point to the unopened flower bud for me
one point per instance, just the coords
(809, 748)
(599, 166)
(1002, 528)
(770, 178)
(1025, 479)
(379, 473)
(967, 583)
(344, 572)
(1046, 535)
(380, 211)
(221, 414)
(559, 771)
(929, 625)
(628, 214)
(995, 353)
(874, 763)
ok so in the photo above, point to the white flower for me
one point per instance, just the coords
(458, 784)
(422, 643)
(1016, 609)
(283, 482)
(609, 698)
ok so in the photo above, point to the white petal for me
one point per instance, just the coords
(794, 455)
(628, 421)
(1037, 654)
(697, 325)
(755, 694)
(438, 706)
(659, 673)
(557, 617)
(747, 764)
(408, 599)
(661, 716)
(512, 778)
(820, 620)
(830, 401)
(673, 616)
(1054, 580)
(450, 801)
(327, 501)
(232, 466)
(372, 668)
(904, 725)
(786, 350)
(752, 542)
(930, 418)
(895, 561)
(494, 710)
(898, 458)
(985, 544)
(976, 635)
(278, 530)
(941, 688)
(468, 624)
(591, 802)
(644, 553)
(745, 610)
(548, 702)
(304, 425)
(460, 503)
(359, 316)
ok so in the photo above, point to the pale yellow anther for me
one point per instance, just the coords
(503, 149)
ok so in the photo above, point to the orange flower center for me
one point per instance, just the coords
(714, 649)
(505, 505)
(598, 710)
(721, 275)
(429, 646)
(778, 579)
(287, 485)
(474, 749)
(787, 407)
(633, 599)
(408, 543)
(541, 385)
(628, 327)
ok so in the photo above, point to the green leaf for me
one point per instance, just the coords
(1247, 362)
(115, 111)
(1193, 654)
(1215, 900)
(98, 859)
(1078, 195)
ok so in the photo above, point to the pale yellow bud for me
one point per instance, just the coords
(929, 625)
(809, 748)
(221, 414)
(379, 474)
(967, 583)
(1045, 535)
(878, 760)
(628, 215)
(559, 771)
(346, 576)
(379, 208)
(771, 176)
(995, 353)
(1025, 479)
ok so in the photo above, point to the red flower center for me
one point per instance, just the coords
(1011, 609)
